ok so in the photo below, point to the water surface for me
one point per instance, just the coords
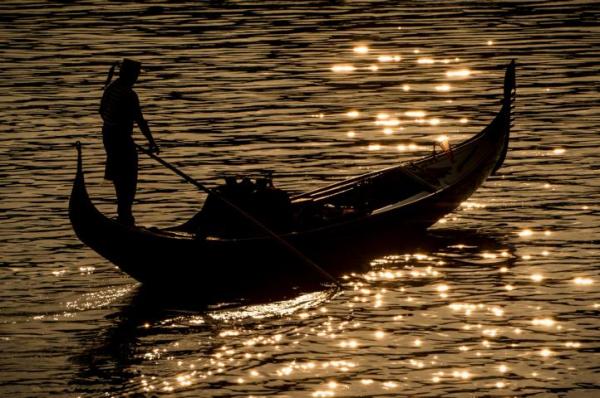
(501, 299)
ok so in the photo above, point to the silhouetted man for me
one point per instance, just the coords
(120, 108)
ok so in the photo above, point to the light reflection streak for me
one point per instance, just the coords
(415, 114)
(458, 73)
(425, 61)
(275, 309)
(545, 352)
(417, 364)
(389, 385)
(525, 233)
(343, 68)
(323, 393)
(349, 344)
(228, 333)
(184, 380)
(581, 281)
(59, 272)
(442, 288)
(387, 122)
(98, 299)
(462, 374)
(537, 277)
(472, 205)
(408, 147)
(497, 311)
(547, 322)
(389, 58)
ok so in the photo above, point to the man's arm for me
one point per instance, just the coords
(143, 125)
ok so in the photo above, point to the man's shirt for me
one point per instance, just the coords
(120, 106)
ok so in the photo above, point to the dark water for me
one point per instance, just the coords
(500, 300)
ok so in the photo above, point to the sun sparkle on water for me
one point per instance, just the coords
(361, 49)
(583, 281)
(458, 73)
(343, 68)
(425, 61)
(537, 277)
(389, 58)
(416, 114)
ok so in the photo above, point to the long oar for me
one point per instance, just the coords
(248, 216)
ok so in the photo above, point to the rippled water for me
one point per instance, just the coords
(501, 299)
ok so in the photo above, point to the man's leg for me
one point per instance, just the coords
(125, 187)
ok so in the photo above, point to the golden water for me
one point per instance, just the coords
(501, 300)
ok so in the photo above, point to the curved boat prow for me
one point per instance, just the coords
(80, 204)
(510, 91)
(510, 83)
(79, 160)
(78, 192)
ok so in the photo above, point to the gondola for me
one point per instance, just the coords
(331, 226)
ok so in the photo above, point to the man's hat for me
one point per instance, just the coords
(129, 66)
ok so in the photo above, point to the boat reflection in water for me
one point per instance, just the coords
(331, 225)
(224, 346)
